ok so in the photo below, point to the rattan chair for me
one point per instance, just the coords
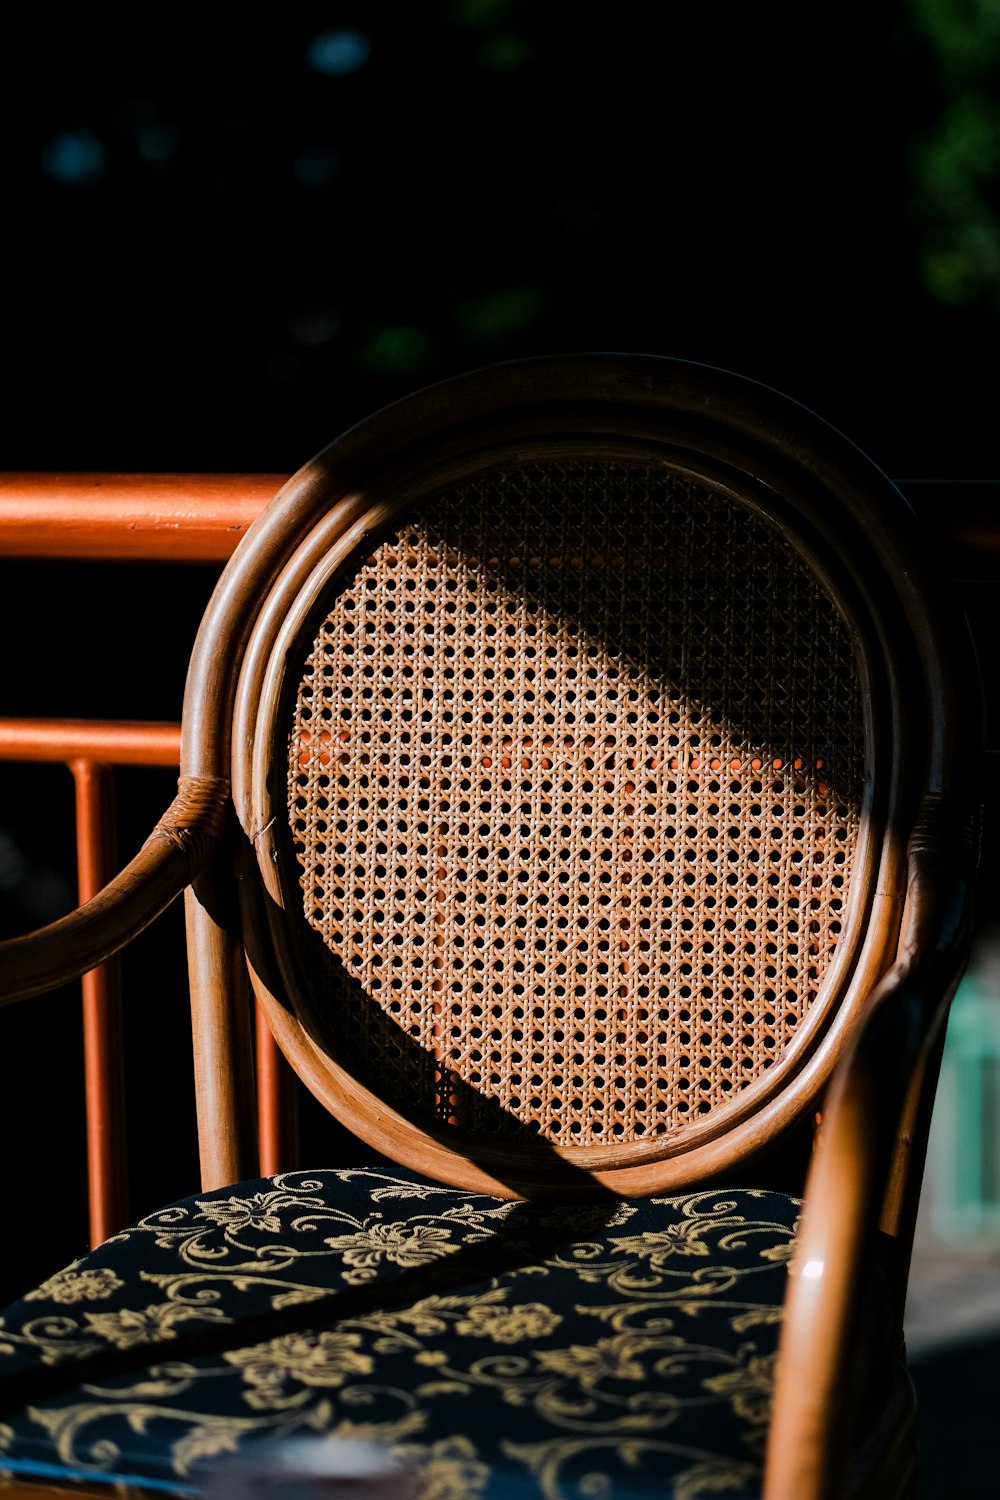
(605, 780)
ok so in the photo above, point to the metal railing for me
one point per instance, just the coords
(90, 750)
(197, 518)
(135, 519)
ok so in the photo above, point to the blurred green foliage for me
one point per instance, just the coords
(957, 160)
(489, 319)
(401, 350)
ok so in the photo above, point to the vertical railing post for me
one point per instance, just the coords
(277, 1104)
(102, 1022)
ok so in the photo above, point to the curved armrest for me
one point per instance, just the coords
(178, 847)
(867, 1125)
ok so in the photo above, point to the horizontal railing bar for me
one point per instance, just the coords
(107, 742)
(130, 517)
(201, 517)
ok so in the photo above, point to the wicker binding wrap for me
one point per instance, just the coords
(575, 778)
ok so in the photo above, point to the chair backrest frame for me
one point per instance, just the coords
(840, 515)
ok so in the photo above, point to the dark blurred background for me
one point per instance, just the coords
(227, 239)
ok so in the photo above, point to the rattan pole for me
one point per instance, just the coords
(102, 1022)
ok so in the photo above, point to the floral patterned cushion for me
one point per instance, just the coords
(607, 1348)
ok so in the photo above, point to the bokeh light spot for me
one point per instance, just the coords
(490, 319)
(404, 350)
(156, 143)
(479, 12)
(76, 156)
(338, 52)
(313, 326)
(504, 52)
(315, 166)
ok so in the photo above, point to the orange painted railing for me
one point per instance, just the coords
(90, 749)
(201, 517)
(198, 518)
(129, 518)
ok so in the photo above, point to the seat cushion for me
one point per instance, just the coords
(612, 1347)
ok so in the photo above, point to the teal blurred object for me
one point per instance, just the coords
(964, 1150)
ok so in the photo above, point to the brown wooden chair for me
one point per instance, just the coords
(604, 760)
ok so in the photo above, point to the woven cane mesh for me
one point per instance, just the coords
(574, 790)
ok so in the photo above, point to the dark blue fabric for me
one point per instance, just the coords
(609, 1348)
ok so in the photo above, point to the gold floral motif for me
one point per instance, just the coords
(171, 1379)
(325, 1359)
(714, 1476)
(207, 1441)
(128, 1327)
(779, 1253)
(449, 1469)
(234, 1214)
(612, 1397)
(66, 1425)
(51, 1338)
(588, 1218)
(290, 1206)
(76, 1285)
(422, 1319)
(606, 1359)
(508, 1325)
(755, 1317)
(382, 1186)
(402, 1244)
(749, 1388)
(685, 1238)
(548, 1461)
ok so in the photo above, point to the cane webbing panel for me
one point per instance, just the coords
(574, 791)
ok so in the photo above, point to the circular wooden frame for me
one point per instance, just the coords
(834, 508)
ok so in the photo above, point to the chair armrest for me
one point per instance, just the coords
(864, 1145)
(178, 847)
